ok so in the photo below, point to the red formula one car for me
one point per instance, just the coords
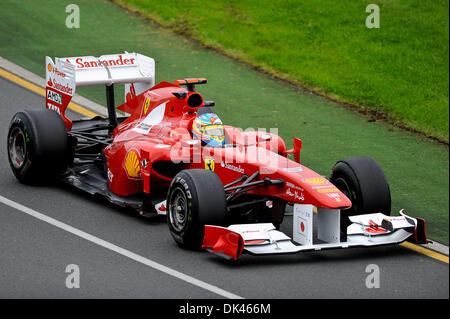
(168, 152)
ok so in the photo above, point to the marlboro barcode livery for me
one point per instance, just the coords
(222, 189)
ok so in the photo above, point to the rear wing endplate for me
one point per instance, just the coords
(135, 70)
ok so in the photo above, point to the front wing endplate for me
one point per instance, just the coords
(263, 238)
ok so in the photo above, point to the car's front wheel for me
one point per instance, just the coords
(196, 198)
(363, 181)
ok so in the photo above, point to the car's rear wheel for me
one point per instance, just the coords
(38, 147)
(363, 181)
(196, 198)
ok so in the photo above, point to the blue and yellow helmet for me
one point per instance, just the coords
(209, 129)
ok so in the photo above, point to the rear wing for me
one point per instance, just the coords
(63, 75)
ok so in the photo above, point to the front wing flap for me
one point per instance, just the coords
(263, 238)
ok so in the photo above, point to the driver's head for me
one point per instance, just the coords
(208, 128)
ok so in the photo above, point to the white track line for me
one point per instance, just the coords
(119, 250)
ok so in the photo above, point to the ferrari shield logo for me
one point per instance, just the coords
(209, 164)
(146, 105)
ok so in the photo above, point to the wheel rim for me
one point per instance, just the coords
(178, 209)
(17, 147)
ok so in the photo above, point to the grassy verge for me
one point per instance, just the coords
(398, 72)
(417, 168)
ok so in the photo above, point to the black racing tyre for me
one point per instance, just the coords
(363, 181)
(38, 147)
(196, 198)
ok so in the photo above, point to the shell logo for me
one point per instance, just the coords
(315, 180)
(49, 67)
(132, 164)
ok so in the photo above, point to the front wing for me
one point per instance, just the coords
(263, 239)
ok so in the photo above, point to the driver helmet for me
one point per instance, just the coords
(208, 128)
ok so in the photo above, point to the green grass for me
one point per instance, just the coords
(417, 168)
(400, 69)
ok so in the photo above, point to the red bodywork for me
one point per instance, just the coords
(148, 150)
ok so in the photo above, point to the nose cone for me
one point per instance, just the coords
(304, 186)
(301, 184)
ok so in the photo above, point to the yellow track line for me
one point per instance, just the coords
(79, 109)
(41, 91)
(425, 251)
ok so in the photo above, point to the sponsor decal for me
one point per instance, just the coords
(209, 164)
(55, 97)
(59, 82)
(395, 219)
(110, 176)
(55, 71)
(295, 194)
(238, 169)
(293, 169)
(315, 180)
(132, 165)
(374, 229)
(54, 108)
(289, 184)
(62, 88)
(299, 197)
(264, 170)
(334, 196)
(144, 163)
(111, 61)
(146, 105)
(323, 186)
(250, 231)
(327, 190)
(185, 186)
(143, 127)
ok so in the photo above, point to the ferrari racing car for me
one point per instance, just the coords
(165, 151)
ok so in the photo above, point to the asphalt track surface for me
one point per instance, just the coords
(35, 254)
